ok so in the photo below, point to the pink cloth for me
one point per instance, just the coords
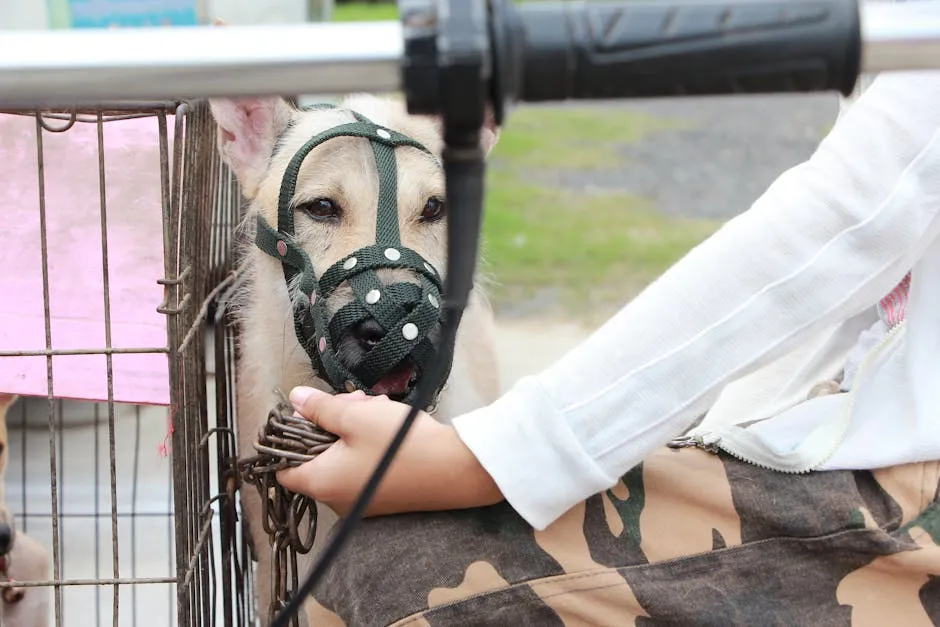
(76, 293)
(893, 307)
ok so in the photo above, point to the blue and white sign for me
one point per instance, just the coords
(131, 13)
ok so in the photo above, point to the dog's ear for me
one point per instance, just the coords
(248, 131)
(489, 134)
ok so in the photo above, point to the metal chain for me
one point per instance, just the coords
(289, 519)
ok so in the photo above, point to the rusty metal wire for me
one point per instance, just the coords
(201, 186)
(289, 519)
(208, 570)
(285, 441)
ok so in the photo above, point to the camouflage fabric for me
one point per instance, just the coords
(686, 538)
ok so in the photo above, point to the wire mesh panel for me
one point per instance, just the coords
(121, 443)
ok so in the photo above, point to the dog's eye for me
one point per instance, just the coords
(320, 209)
(433, 210)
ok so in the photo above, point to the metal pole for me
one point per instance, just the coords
(66, 68)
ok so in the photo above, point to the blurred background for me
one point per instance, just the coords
(585, 206)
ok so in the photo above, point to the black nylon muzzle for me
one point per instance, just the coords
(407, 312)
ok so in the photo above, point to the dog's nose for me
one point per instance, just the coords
(6, 538)
(368, 333)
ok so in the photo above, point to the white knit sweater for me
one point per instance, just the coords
(750, 320)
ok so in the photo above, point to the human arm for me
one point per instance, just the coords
(827, 240)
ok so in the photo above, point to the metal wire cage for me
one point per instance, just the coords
(135, 535)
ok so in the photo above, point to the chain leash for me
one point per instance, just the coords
(288, 519)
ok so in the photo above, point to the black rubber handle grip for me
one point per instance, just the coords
(644, 48)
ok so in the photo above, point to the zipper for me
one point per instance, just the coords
(866, 363)
(740, 444)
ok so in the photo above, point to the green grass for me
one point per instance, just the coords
(580, 255)
(364, 12)
(575, 252)
(367, 12)
(568, 137)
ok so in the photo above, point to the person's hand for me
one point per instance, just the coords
(433, 470)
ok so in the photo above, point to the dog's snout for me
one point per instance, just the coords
(368, 333)
(6, 538)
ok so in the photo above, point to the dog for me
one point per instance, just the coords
(256, 138)
(22, 558)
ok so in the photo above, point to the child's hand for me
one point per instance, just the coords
(433, 469)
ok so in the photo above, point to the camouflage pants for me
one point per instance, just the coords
(686, 538)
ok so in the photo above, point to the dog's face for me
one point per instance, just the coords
(335, 203)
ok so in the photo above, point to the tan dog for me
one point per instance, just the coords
(27, 559)
(257, 138)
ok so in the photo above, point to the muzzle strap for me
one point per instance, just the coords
(408, 312)
(385, 162)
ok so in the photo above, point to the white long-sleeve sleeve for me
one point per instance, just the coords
(827, 240)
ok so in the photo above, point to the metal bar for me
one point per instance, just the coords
(71, 515)
(60, 417)
(50, 352)
(197, 551)
(73, 67)
(112, 443)
(86, 582)
(110, 111)
(199, 204)
(170, 296)
(97, 511)
(69, 68)
(134, 512)
(172, 261)
(50, 387)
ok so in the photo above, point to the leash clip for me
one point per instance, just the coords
(705, 441)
